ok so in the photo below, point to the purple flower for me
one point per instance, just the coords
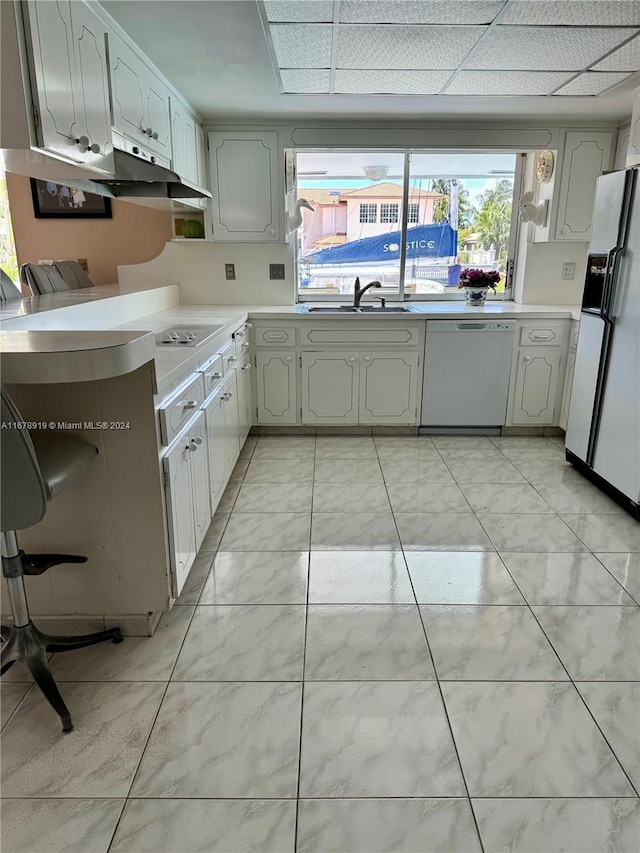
(472, 277)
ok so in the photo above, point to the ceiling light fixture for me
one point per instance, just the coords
(376, 173)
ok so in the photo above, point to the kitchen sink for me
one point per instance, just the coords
(363, 309)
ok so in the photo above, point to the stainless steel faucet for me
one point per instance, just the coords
(360, 291)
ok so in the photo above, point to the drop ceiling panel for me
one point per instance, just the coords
(626, 58)
(402, 47)
(593, 83)
(577, 13)
(300, 11)
(506, 82)
(389, 82)
(550, 48)
(302, 45)
(306, 81)
(414, 12)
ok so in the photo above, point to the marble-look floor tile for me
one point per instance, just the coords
(274, 497)
(345, 447)
(411, 443)
(446, 577)
(11, 695)
(248, 577)
(404, 457)
(223, 741)
(267, 531)
(441, 531)
(480, 470)
(606, 532)
(348, 471)
(112, 723)
(48, 826)
(616, 709)
(533, 739)
(196, 579)
(514, 446)
(366, 642)
(496, 643)
(550, 825)
(350, 497)
(357, 531)
(214, 533)
(243, 643)
(280, 471)
(412, 470)
(578, 498)
(548, 471)
(377, 739)
(386, 826)
(134, 659)
(595, 643)
(359, 577)
(427, 497)
(504, 498)
(463, 443)
(529, 532)
(298, 449)
(562, 578)
(488, 453)
(626, 570)
(228, 498)
(206, 826)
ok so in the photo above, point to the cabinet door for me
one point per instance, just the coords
(53, 66)
(92, 76)
(217, 447)
(276, 387)
(232, 438)
(200, 477)
(388, 388)
(245, 405)
(586, 156)
(244, 181)
(329, 382)
(179, 494)
(566, 394)
(201, 166)
(157, 116)
(536, 387)
(128, 89)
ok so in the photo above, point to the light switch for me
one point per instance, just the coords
(276, 272)
(568, 271)
(230, 272)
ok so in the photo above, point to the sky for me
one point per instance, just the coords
(476, 186)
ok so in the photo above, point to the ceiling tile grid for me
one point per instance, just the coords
(454, 47)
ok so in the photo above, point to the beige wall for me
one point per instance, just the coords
(134, 234)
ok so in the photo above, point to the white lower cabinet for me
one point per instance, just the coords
(231, 429)
(245, 401)
(536, 387)
(276, 387)
(214, 410)
(329, 382)
(568, 375)
(388, 388)
(187, 490)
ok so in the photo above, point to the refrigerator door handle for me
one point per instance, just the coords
(609, 281)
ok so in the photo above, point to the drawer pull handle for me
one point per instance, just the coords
(232, 358)
(195, 443)
(239, 334)
(247, 367)
(367, 358)
(245, 344)
(353, 358)
(215, 375)
(288, 358)
(189, 404)
(527, 359)
(248, 325)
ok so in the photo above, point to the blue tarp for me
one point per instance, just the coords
(424, 241)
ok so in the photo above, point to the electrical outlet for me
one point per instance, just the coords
(230, 272)
(83, 263)
(568, 271)
(276, 272)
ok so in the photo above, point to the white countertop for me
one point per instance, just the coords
(104, 331)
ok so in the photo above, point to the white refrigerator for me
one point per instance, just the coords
(603, 430)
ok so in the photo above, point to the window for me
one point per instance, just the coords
(369, 213)
(389, 212)
(458, 214)
(8, 258)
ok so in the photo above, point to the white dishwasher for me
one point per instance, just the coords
(466, 373)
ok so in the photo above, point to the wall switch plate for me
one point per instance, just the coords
(83, 263)
(276, 272)
(230, 272)
(568, 271)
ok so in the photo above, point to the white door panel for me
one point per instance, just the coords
(583, 390)
(388, 388)
(177, 468)
(330, 387)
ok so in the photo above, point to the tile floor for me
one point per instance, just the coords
(386, 644)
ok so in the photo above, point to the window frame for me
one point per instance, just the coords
(372, 208)
(389, 212)
(411, 206)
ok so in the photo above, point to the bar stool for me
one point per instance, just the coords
(73, 274)
(42, 278)
(34, 470)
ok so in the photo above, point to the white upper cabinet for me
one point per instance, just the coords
(183, 142)
(70, 85)
(247, 204)
(140, 99)
(633, 150)
(586, 156)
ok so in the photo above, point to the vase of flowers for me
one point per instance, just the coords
(476, 283)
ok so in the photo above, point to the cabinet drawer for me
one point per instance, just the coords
(542, 334)
(399, 335)
(229, 357)
(277, 336)
(212, 373)
(177, 411)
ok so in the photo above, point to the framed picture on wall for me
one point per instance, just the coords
(64, 201)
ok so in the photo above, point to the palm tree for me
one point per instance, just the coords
(493, 222)
(442, 207)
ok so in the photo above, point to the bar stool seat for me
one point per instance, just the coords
(32, 473)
